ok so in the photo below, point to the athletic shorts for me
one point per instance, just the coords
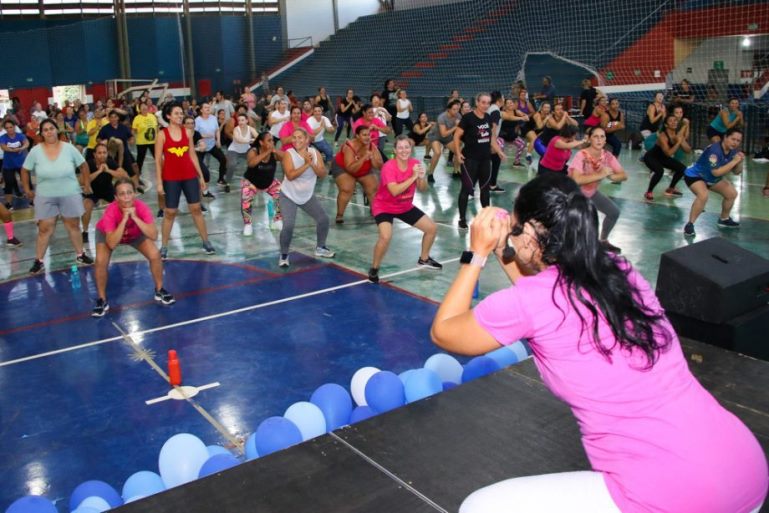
(106, 194)
(690, 180)
(410, 217)
(68, 207)
(101, 238)
(174, 189)
(712, 132)
(336, 171)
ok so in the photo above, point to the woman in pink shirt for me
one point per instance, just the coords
(286, 133)
(657, 441)
(589, 168)
(127, 220)
(394, 199)
(558, 151)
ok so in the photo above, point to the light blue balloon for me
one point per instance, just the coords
(143, 484)
(213, 450)
(276, 433)
(180, 459)
(95, 503)
(308, 418)
(251, 452)
(405, 375)
(519, 348)
(335, 402)
(503, 356)
(446, 366)
(94, 488)
(31, 504)
(85, 509)
(361, 413)
(218, 463)
(423, 383)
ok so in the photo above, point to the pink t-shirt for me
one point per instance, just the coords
(384, 201)
(376, 122)
(584, 164)
(113, 215)
(288, 129)
(662, 442)
(555, 158)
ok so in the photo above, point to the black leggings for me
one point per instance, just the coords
(218, 154)
(616, 145)
(474, 171)
(203, 167)
(399, 124)
(341, 121)
(11, 178)
(656, 161)
(496, 161)
(141, 153)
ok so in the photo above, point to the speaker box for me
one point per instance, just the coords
(747, 334)
(714, 281)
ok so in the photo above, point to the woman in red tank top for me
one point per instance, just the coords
(178, 171)
(353, 164)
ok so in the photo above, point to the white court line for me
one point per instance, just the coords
(209, 317)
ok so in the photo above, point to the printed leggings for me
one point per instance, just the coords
(248, 192)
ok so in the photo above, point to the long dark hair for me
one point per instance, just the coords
(567, 231)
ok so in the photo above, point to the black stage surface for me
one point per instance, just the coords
(428, 456)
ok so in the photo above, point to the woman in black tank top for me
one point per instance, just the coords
(613, 121)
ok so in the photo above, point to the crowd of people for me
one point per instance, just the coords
(80, 152)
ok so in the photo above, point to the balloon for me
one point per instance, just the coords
(308, 418)
(31, 504)
(217, 463)
(478, 367)
(503, 356)
(447, 367)
(251, 452)
(143, 484)
(86, 509)
(358, 384)
(384, 392)
(335, 403)
(216, 449)
(276, 433)
(180, 459)
(520, 350)
(361, 413)
(94, 489)
(448, 385)
(405, 375)
(421, 384)
(95, 503)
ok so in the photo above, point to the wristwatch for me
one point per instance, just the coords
(468, 257)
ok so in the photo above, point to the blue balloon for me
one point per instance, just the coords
(447, 367)
(216, 449)
(385, 392)
(251, 452)
(217, 463)
(180, 459)
(308, 418)
(405, 375)
(94, 489)
(448, 385)
(276, 433)
(143, 484)
(478, 367)
(31, 504)
(520, 349)
(86, 509)
(421, 384)
(336, 404)
(95, 503)
(503, 356)
(361, 413)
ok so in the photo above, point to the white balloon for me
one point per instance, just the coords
(180, 459)
(358, 384)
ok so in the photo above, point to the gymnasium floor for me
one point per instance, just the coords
(74, 403)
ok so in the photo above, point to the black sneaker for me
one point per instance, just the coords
(226, 187)
(37, 267)
(689, 230)
(164, 297)
(608, 246)
(728, 223)
(462, 224)
(84, 259)
(9, 206)
(373, 275)
(13, 242)
(429, 263)
(140, 190)
(160, 213)
(208, 195)
(428, 157)
(85, 237)
(101, 308)
(430, 179)
(496, 188)
(208, 248)
(203, 208)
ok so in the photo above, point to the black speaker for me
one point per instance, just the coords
(714, 281)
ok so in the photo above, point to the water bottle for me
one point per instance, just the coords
(270, 209)
(477, 289)
(74, 277)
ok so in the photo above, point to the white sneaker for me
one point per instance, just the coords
(283, 262)
(277, 225)
(248, 230)
(324, 252)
